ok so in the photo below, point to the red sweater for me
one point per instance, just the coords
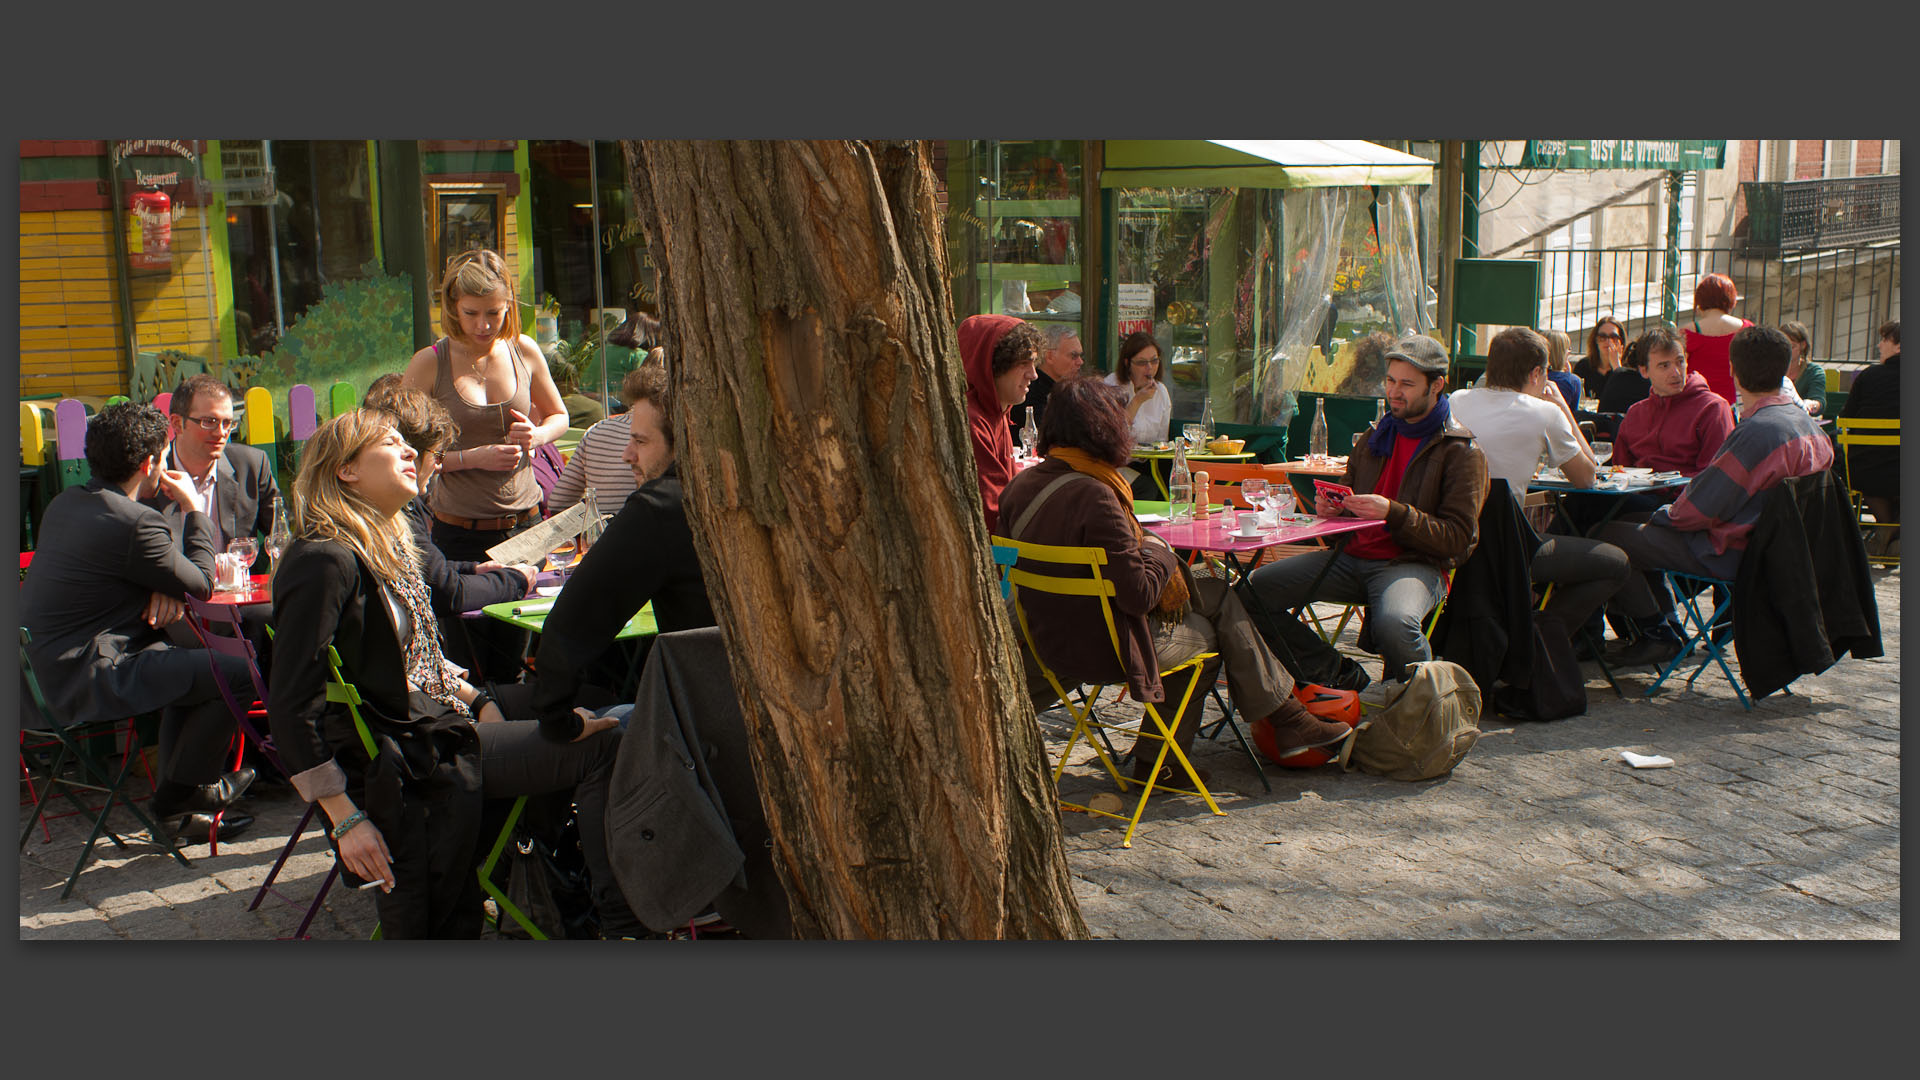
(1680, 434)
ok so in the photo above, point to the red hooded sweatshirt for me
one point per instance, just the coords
(1680, 434)
(986, 418)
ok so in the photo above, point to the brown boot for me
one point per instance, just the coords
(1294, 728)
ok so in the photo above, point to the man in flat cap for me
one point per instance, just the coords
(1420, 472)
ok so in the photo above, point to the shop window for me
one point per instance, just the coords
(299, 215)
(1014, 232)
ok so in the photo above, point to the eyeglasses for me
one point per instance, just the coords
(1608, 336)
(215, 424)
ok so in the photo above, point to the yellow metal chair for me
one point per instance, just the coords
(1867, 431)
(1076, 571)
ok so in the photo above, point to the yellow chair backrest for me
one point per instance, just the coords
(1039, 568)
(1868, 431)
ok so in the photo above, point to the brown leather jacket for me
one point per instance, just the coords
(1436, 517)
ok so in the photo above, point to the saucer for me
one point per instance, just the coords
(1238, 535)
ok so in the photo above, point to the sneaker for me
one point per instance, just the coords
(1382, 694)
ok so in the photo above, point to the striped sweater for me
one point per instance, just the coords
(1775, 439)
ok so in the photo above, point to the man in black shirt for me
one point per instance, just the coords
(1059, 362)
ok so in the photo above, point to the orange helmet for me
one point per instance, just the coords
(1335, 706)
(1309, 757)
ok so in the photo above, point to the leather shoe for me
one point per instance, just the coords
(1170, 773)
(207, 798)
(193, 828)
(1650, 649)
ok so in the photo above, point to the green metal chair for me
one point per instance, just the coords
(93, 777)
(344, 692)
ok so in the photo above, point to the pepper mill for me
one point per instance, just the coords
(1202, 494)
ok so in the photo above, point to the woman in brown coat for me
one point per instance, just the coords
(1162, 616)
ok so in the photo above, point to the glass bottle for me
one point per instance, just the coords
(279, 537)
(1379, 410)
(1206, 415)
(1317, 438)
(1180, 486)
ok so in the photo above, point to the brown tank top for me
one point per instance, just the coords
(483, 493)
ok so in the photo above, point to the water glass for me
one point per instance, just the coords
(1196, 434)
(1256, 493)
(1180, 508)
(1602, 452)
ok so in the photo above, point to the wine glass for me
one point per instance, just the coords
(1195, 435)
(1602, 452)
(1256, 492)
(563, 556)
(246, 550)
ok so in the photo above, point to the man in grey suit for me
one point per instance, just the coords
(234, 480)
(107, 577)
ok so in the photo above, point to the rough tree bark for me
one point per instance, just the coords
(822, 439)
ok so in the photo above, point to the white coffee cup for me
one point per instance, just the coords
(1249, 523)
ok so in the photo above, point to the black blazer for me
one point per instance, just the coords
(323, 594)
(646, 554)
(100, 559)
(454, 585)
(244, 494)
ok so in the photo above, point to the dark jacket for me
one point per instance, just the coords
(244, 494)
(1487, 624)
(454, 584)
(101, 557)
(1436, 515)
(645, 555)
(1035, 406)
(422, 791)
(684, 824)
(1068, 630)
(1875, 470)
(1625, 389)
(1803, 595)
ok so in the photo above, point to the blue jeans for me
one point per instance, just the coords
(1398, 594)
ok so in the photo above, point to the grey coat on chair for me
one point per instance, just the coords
(101, 558)
(684, 824)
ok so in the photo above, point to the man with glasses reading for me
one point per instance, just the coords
(235, 481)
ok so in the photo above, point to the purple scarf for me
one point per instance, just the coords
(1391, 427)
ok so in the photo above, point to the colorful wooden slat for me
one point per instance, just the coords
(301, 414)
(33, 437)
(163, 402)
(70, 439)
(259, 422)
(342, 397)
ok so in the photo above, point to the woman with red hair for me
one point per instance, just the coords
(1713, 328)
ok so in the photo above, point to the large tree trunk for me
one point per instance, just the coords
(822, 439)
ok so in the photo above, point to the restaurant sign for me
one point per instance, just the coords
(1682, 155)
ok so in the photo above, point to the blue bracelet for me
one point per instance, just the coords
(352, 820)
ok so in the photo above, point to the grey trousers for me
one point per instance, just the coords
(517, 760)
(1584, 573)
(1399, 594)
(1653, 548)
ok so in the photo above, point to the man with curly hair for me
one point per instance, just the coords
(1001, 355)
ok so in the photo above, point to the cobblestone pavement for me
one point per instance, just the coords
(1782, 822)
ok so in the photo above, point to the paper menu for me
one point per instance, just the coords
(532, 545)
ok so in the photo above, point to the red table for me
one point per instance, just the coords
(259, 590)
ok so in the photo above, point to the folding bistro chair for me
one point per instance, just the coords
(1867, 431)
(1093, 585)
(342, 691)
(93, 776)
(1699, 626)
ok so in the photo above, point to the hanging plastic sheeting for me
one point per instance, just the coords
(1408, 295)
(1315, 220)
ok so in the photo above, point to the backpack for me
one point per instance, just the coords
(1425, 731)
(1556, 688)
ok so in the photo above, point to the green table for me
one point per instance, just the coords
(1154, 457)
(1149, 506)
(640, 625)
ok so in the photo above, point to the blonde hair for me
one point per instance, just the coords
(325, 508)
(1558, 346)
(479, 272)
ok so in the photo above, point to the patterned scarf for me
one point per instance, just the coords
(426, 667)
(1380, 443)
(1174, 596)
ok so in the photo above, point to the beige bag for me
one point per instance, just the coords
(1422, 733)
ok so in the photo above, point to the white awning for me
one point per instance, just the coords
(1258, 163)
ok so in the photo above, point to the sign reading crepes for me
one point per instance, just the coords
(1684, 155)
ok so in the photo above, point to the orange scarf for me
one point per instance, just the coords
(1173, 597)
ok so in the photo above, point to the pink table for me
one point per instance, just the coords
(1217, 533)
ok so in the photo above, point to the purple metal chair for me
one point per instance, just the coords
(218, 626)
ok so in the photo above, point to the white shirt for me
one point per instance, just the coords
(1150, 423)
(206, 490)
(1512, 429)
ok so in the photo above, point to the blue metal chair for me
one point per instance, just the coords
(1698, 628)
